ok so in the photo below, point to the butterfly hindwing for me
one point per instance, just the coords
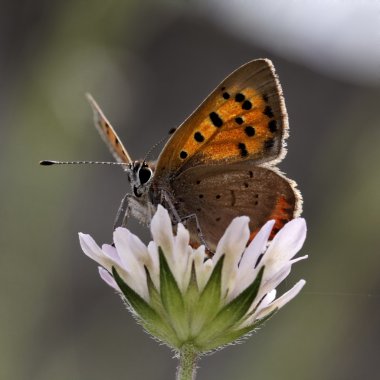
(217, 194)
(244, 118)
(108, 134)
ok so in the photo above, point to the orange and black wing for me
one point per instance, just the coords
(244, 118)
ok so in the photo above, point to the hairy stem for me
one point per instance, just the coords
(187, 367)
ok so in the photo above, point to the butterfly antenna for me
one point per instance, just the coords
(51, 162)
(157, 144)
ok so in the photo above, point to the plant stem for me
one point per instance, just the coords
(187, 367)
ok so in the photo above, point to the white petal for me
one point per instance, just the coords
(288, 241)
(246, 273)
(132, 256)
(232, 245)
(182, 238)
(162, 232)
(298, 259)
(92, 250)
(137, 247)
(129, 246)
(284, 246)
(283, 300)
(270, 297)
(257, 246)
(188, 268)
(204, 273)
(154, 265)
(111, 252)
(268, 283)
(267, 299)
(108, 279)
(180, 264)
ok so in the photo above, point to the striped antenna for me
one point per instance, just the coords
(51, 162)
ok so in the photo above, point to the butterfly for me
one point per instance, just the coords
(220, 163)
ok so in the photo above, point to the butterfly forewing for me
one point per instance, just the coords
(108, 134)
(244, 118)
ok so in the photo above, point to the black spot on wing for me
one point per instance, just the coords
(216, 120)
(233, 198)
(243, 150)
(198, 137)
(272, 125)
(247, 105)
(239, 97)
(249, 131)
(268, 111)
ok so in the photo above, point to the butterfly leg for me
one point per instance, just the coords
(199, 230)
(166, 198)
(123, 212)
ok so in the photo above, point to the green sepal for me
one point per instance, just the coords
(192, 293)
(230, 314)
(232, 336)
(149, 318)
(172, 299)
(209, 300)
(154, 296)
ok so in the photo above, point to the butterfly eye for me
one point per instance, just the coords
(144, 175)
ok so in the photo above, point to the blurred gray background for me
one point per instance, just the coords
(149, 64)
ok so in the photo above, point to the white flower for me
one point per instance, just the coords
(182, 296)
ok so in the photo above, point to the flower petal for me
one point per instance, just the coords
(132, 255)
(111, 252)
(93, 251)
(203, 267)
(266, 300)
(285, 245)
(256, 247)
(180, 266)
(246, 273)
(232, 244)
(108, 279)
(162, 231)
(287, 242)
(283, 300)
(154, 265)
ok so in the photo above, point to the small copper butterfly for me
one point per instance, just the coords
(220, 163)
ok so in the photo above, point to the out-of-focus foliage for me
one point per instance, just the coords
(149, 64)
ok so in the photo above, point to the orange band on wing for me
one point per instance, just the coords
(282, 214)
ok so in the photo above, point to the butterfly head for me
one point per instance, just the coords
(140, 175)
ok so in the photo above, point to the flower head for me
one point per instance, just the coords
(182, 296)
